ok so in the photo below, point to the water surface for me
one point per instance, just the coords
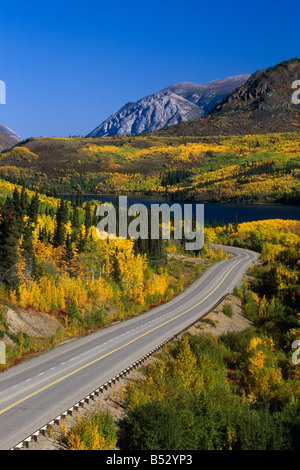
(218, 212)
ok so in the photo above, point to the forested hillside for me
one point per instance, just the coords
(52, 261)
(251, 168)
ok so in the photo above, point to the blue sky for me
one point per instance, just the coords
(69, 65)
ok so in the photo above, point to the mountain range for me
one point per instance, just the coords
(245, 104)
(177, 103)
(262, 105)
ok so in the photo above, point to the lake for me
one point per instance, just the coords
(217, 211)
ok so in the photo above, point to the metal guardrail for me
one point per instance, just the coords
(91, 396)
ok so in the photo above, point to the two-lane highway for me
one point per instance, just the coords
(33, 393)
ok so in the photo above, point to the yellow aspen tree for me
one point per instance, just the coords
(186, 364)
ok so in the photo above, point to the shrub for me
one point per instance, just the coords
(227, 310)
(93, 432)
(152, 426)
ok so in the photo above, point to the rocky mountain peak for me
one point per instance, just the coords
(177, 103)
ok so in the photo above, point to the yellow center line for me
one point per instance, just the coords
(117, 349)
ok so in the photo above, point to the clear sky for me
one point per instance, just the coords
(68, 65)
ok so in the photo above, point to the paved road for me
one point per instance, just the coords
(33, 393)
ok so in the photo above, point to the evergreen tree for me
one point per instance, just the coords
(16, 199)
(43, 235)
(27, 245)
(236, 224)
(9, 249)
(75, 218)
(23, 201)
(69, 254)
(34, 208)
(61, 220)
(88, 216)
(74, 312)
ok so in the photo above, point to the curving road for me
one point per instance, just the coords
(33, 393)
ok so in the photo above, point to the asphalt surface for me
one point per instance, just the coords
(36, 391)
